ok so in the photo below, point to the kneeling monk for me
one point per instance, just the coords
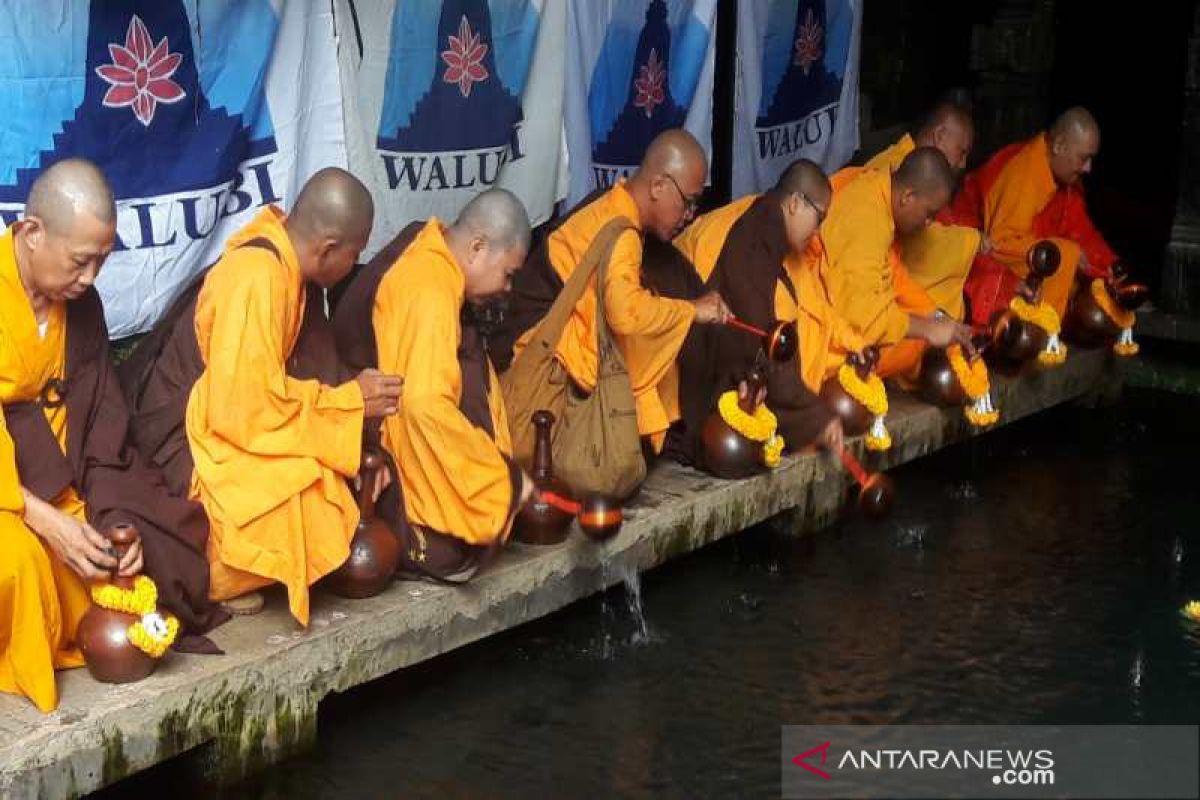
(659, 199)
(267, 453)
(866, 279)
(757, 254)
(1027, 192)
(68, 471)
(415, 311)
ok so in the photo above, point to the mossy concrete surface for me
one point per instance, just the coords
(258, 703)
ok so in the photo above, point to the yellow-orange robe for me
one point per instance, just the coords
(457, 478)
(939, 256)
(1018, 202)
(648, 329)
(825, 338)
(867, 280)
(271, 452)
(41, 599)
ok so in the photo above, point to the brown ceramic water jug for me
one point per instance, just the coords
(727, 453)
(103, 634)
(1087, 324)
(374, 550)
(600, 517)
(540, 521)
(1014, 342)
(856, 418)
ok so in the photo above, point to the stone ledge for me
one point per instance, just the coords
(258, 703)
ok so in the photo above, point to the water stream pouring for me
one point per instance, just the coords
(780, 343)
(876, 491)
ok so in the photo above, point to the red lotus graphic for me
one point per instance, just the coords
(141, 74)
(651, 83)
(800, 761)
(464, 59)
(810, 41)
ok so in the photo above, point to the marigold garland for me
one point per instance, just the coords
(1191, 610)
(1043, 314)
(878, 438)
(972, 376)
(757, 427)
(870, 392)
(1125, 345)
(154, 632)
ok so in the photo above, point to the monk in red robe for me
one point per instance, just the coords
(1030, 191)
(68, 471)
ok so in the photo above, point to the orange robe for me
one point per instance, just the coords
(457, 478)
(41, 599)
(825, 338)
(648, 329)
(867, 280)
(271, 452)
(1016, 200)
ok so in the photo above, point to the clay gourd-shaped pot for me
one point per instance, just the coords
(374, 550)
(876, 497)
(782, 342)
(1087, 324)
(1013, 340)
(103, 634)
(939, 385)
(727, 453)
(600, 517)
(540, 521)
(855, 417)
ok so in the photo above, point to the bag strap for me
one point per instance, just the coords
(550, 329)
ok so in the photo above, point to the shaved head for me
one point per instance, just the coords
(330, 225)
(921, 187)
(333, 205)
(70, 187)
(499, 217)
(669, 182)
(804, 194)
(1073, 141)
(950, 128)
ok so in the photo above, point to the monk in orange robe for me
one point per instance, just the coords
(760, 252)
(418, 311)
(1027, 192)
(272, 452)
(660, 198)
(66, 468)
(866, 279)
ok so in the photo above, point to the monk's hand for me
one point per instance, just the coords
(527, 489)
(383, 479)
(131, 562)
(381, 392)
(831, 437)
(945, 332)
(710, 309)
(77, 544)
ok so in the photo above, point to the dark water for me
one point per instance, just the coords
(1035, 575)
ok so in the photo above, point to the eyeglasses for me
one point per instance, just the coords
(821, 212)
(690, 204)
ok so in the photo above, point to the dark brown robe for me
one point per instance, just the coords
(425, 552)
(116, 485)
(748, 270)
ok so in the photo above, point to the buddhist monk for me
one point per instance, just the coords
(67, 471)
(1027, 192)
(416, 311)
(268, 453)
(866, 279)
(761, 253)
(659, 199)
(939, 257)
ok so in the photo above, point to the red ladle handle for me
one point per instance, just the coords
(737, 323)
(563, 504)
(854, 467)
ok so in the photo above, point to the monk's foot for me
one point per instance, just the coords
(246, 605)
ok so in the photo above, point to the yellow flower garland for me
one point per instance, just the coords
(1043, 315)
(1192, 610)
(153, 633)
(972, 376)
(870, 392)
(1125, 345)
(757, 427)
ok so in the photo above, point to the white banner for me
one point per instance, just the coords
(797, 87)
(635, 70)
(198, 112)
(445, 98)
